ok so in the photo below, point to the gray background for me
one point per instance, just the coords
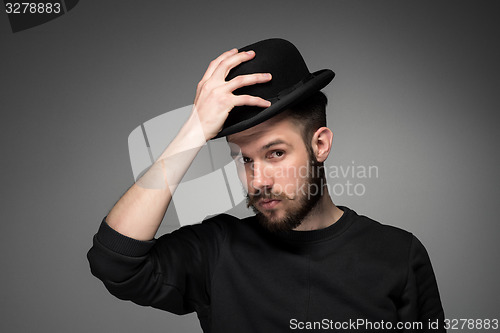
(416, 94)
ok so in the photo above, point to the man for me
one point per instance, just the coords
(301, 262)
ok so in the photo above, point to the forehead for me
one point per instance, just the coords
(277, 128)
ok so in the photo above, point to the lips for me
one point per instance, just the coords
(269, 203)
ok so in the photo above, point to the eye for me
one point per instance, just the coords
(244, 159)
(277, 154)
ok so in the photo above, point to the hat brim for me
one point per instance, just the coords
(317, 82)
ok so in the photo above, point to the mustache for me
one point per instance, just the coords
(263, 194)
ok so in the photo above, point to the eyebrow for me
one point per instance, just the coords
(273, 143)
(264, 147)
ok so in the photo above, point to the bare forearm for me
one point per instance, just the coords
(139, 212)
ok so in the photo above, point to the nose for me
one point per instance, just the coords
(262, 176)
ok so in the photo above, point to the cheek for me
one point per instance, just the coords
(286, 180)
(295, 174)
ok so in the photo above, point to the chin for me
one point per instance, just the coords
(277, 223)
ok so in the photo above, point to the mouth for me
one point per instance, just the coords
(268, 203)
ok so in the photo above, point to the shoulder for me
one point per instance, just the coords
(203, 239)
(220, 224)
(381, 236)
(367, 224)
(225, 222)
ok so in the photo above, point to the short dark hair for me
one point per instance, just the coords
(309, 115)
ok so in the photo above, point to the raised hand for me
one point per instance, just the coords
(214, 95)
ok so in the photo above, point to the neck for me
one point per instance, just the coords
(323, 215)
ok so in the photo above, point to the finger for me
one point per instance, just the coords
(214, 63)
(230, 62)
(247, 80)
(211, 67)
(250, 101)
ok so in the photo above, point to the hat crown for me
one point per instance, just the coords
(276, 56)
(291, 83)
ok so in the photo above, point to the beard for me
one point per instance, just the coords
(304, 201)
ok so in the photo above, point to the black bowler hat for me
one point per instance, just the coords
(291, 83)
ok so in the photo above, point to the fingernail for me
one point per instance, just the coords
(250, 52)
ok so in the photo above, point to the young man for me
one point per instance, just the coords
(301, 262)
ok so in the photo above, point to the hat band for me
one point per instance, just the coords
(288, 90)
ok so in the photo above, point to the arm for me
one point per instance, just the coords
(140, 210)
(421, 299)
(170, 273)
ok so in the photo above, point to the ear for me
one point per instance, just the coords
(322, 143)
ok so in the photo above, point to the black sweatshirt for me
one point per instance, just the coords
(355, 275)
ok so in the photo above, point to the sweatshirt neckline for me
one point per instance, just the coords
(321, 234)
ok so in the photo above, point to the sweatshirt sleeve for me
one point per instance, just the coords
(420, 299)
(171, 273)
